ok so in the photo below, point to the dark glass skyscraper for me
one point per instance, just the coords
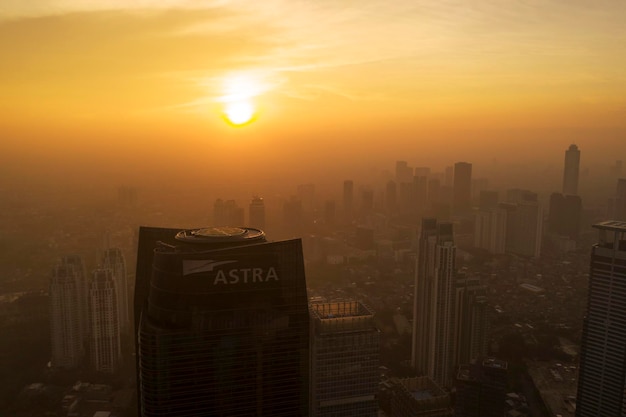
(223, 324)
(602, 377)
(570, 170)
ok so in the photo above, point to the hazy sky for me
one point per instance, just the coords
(330, 82)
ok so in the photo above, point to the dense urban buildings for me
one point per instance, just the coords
(222, 323)
(68, 309)
(344, 360)
(571, 170)
(602, 376)
(414, 397)
(105, 342)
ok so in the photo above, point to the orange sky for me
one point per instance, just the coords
(104, 78)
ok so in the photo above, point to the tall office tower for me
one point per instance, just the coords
(619, 204)
(524, 223)
(222, 323)
(478, 186)
(348, 199)
(564, 215)
(391, 197)
(113, 259)
(601, 379)
(570, 170)
(472, 318)
(434, 327)
(462, 188)
(421, 172)
(105, 344)
(68, 326)
(256, 213)
(345, 348)
(404, 173)
(481, 388)
(227, 213)
(490, 230)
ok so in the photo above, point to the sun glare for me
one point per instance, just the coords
(239, 112)
(239, 91)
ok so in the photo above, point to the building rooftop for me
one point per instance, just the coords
(612, 225)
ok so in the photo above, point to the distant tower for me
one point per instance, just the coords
(472, 319)
(344, 360)
(103, 317)
(601, 381)
(68, 325)
(524, 223)
(256, 213)
(227, 213)
(113, 259)
(434, 327)
(462, 188)
(570, 170)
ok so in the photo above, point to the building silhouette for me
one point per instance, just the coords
(256, 213)
(113, 259)
(571, 170)
(348, 200)
(434, 327)
(564, 216)
(481, 388)
(222, 323)
(462, 188)
(227, 213)
(68, 312)
(105, 344)
(601, 380)
(472, 319)
(345, 349)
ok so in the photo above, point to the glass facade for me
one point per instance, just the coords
(224, 329)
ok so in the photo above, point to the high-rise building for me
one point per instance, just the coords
(345, 348)
(490, 230)
(404, 173)
(113, 259)
(462, 188)
(571, 170)
(564, 215)
(472, 319)
(222, 323)
(256, 213)
(105, 344)
(68, 324)
(601, 379)
(524, 223)
(434, 327)
(481, 388)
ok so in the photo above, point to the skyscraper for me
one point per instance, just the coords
(223, 324)
(344, 360)
(434, 331)
(68, 324)
(256, 214)
(601, 381)
(105, 344)
(462, 188)
(570, 170)
(113, 259)
(481, 388)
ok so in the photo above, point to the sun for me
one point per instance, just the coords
(239, 108)
(239, 113)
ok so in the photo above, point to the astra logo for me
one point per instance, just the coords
(205, 265)
(245, 276)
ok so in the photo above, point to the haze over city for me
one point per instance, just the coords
(356, 139)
